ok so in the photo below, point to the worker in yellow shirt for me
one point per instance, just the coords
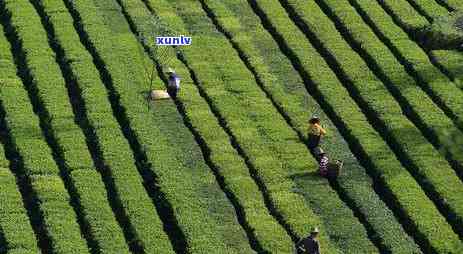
(316, 132)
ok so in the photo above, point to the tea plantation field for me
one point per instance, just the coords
(89, 164)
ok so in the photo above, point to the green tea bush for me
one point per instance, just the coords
(165, 148)
(407, 139)
(131, 202)
(328, 89)
(271, 145)
(286, 88)
(445, 32)
(447, 64)
(238, 176)
(34, 163)
(15, 224)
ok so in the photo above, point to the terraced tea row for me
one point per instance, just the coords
(201, 211)
(17, 234)
(412, 18)
(68, 160)
(441, 61)
(388, 170)
(451, 5)
(447, 60)
(223, 167)
(244, 129)
(131, 203)
(231, 165)
(410, 146)
(324, 208)
(288, 92)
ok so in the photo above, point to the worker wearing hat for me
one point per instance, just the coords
(173, 83)
(309, 245)
(316, 132)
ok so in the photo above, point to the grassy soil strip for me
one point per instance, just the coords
(287, 89)
(235, 174)
(134, 210)
(161, 141)
(368, 143)
(262, 119)
(406, 140)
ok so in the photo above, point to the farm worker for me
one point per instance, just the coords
(309, 245)
(173, 84)
(323, 161)
(316, 132)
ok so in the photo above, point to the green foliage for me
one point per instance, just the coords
(414, 204)
(199, 207)
(269, 168)
(453, 63)
(445, 32)
(450, 63)
(454, 4)
(410, 18)
(147, 157)
(118, 167)
(444, 88)
(287, 89)
(38, 162)
(274, 146)
(237, 177)
(414, 148)
(423, 107)
(443, 92)
(454, 144)
(14, 222)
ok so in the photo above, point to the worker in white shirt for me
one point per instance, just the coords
(173, 83)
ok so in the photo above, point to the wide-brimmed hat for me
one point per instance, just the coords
(314, 117)
(170, 70)
(315, 230)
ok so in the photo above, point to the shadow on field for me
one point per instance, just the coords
(307, 176)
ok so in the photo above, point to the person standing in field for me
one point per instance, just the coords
(316, 132)
(323, 161)
(173, 84)
(310, 244)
